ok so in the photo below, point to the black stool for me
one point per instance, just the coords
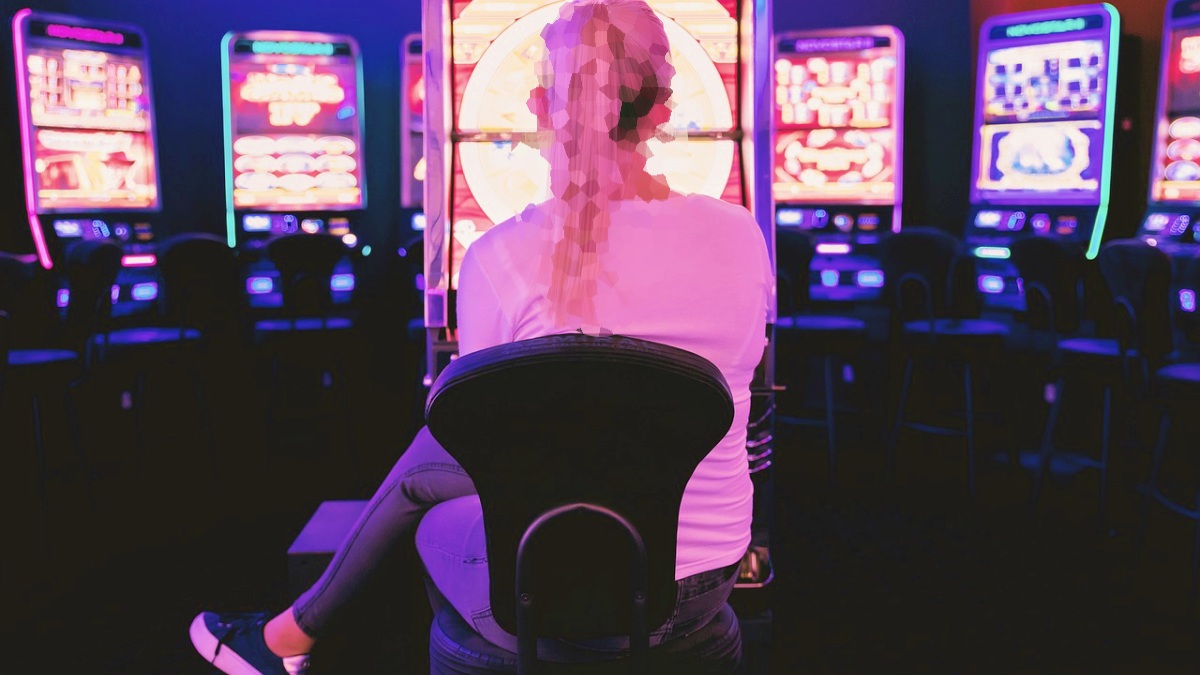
(581, 444)
(923, 271)
(802, 333)
(1138, 277)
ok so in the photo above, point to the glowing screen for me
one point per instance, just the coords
(496, 45)
(836, 120)
(91, 133)
(412, 122)
(1176, 170)
(295, 124)
(1043, 121)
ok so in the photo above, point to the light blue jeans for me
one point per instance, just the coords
(450, 541)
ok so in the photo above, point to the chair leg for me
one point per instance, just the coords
(348, 415)
(39, 447)
(894, 437)
(830, 422)
(81, 459)
(1106, 427)
(1047, 449)
(139, 423)
(967, 380)
(200, 393)
(272, 396)
(1150, 492)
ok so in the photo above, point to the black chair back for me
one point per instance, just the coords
(794, 250)
(92, 268)
(1189, 292)
(306, 263)
(921, 269)
(28, 295)
(1139, 277)
(1052, 278)
(613, 423)
(200, 282)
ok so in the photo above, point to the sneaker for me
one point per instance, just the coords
(234, 644)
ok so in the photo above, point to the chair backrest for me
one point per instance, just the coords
(1138, 276)
(613, 422)
(28, 295)
(1189, 293)
(919, 271)
(200, 282)
(1052, 279)
(306, 263)
(794, 250)
(92, 268)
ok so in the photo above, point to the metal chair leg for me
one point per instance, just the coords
(830, 423)
(1047, 448)
(81, 459)
(1150, 492)
(1104, 441)
(970, 429)
(204, 419)
(39, 447)
(894, 437)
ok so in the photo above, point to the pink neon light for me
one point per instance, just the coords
(35, 225)
(833, 249)
(86, 34)
(139, 260)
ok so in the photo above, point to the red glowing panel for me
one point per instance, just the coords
(296, 133)
(92, 142)
(1176, 167)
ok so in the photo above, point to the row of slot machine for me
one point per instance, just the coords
(293, 118)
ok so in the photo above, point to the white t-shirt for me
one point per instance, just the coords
(691, 272)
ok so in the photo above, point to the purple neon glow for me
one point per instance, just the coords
(991, 284)
(259, 285)
(144, 292)
(35, 225)
(829, 278)
(1187, 300)
(63, 297)
(139, 260)
(116, 292)
(85, 34)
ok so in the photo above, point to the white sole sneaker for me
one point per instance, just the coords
(228, 661)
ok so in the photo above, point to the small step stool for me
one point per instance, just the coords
(313, 548)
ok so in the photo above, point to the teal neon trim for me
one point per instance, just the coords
(1045, 27)
(1110, 114)
(291, 48)
(227, 105)
(993, 252)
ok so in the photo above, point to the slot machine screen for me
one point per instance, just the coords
(496, 46)
(1043, 136)
(1175, 173)
(836, 120)
(88, 120)
(295, 122)
(412, 122)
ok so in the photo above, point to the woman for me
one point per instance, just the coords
(612, 249)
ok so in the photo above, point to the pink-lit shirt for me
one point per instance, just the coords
(691, 272)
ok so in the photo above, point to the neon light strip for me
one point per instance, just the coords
(144, 292)
(992, 252)
(1110, 105)
(105, 37)
(1046, 27)
(227, 105)
(35, 225)
(259, 285)
(139, 260)
(833, 249)
(292, 48)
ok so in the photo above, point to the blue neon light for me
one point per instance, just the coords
(992, 252)
(789, 216)
(63, 298)
(341, 282)
(870, 279)
(366, 250)
(145, 292)
(418, 221)
(259, 285)
(1187, 300)
(116, 292)
(829, 278)
(991, 284)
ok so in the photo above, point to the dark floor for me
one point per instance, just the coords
(903, 576)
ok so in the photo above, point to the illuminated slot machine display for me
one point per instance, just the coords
(412, 133)
(479, 69)
(1042, 156)
(88, 145)
(293, 147)
(839, 127)
(1172, 220)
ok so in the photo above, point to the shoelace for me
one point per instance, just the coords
(234, 626)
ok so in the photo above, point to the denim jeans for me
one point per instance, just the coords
(450, 541)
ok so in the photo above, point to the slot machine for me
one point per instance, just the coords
(479, 68)
(1172, 219)
(412, 133)
(839, 137)
(89, 145)
(293, 148)
(1045, 105)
